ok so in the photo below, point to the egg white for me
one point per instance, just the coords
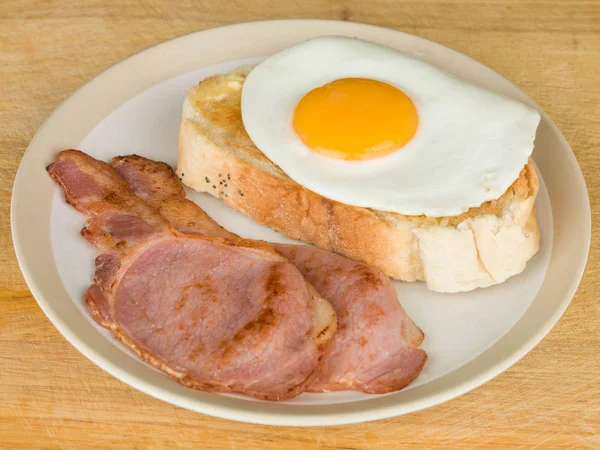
(469, 147)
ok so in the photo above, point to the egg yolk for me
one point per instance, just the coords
(355, 119)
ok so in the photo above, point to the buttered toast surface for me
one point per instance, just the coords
(481, 247)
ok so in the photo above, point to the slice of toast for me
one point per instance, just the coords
(482, 247)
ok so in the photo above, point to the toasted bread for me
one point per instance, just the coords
(482, 247)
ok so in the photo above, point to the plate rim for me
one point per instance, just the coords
(273, 414)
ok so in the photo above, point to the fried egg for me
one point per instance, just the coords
(369, 126)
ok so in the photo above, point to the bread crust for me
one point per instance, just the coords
(451, 254)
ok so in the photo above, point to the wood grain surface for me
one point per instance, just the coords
(51, 397)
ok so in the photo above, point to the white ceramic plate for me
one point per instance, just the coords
(134, 107)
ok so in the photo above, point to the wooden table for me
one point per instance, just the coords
(51, 397)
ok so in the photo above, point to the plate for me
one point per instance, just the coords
(135, 107)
